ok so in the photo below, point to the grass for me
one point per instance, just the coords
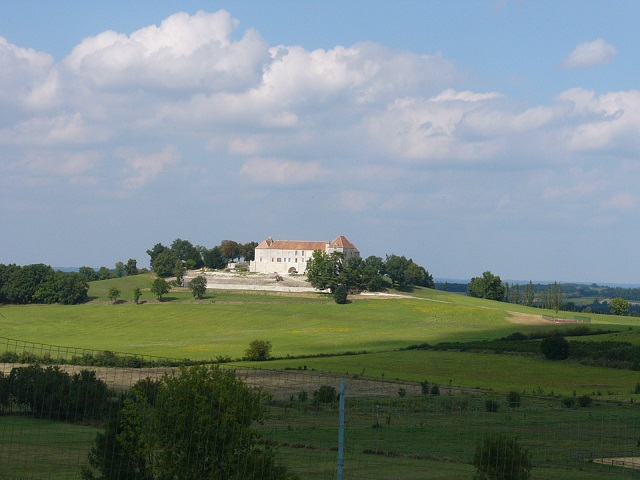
(31, 448)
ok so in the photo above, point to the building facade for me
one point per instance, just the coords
(291, 256)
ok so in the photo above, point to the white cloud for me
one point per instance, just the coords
(596, 52)
(185, 52)
(23, 71)
(282, 172)
(141, 169)
(621, 201)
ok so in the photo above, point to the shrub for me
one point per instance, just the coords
(325, 394)
(435, 390)
(585, 401)
(402, 392)
(340, 294)
(568, 402)
(258, 351)
(424, 387)
(555, 347)
(514, 399)
(501, 458)
(491, 405)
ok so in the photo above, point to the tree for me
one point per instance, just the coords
(324, 269)
(404, 273)
(258, 351)
(555, 347)
(229, 249)
(619, 306)
(198, 287)
(137, 293)
(186, 252)
(89, 273)
(131, 267)
(104, 273)
(488, 286)
(159, 287)
(113, 294)
(164, 264)
(119, 270)
(195, 425)
(501, 458)
(213, 259)
(153, 253)
(340, 294)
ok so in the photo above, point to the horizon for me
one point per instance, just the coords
(460, 137)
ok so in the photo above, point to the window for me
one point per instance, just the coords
(272, 259)
(302, 253)
(279, 260)
(296, 252)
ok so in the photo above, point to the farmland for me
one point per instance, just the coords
(316, 341)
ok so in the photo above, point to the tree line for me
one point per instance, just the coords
(549, 296)
(39, 283)
(168, 261)
(339, 275)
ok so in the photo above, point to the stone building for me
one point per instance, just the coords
(291, 256)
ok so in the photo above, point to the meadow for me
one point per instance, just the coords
(311, 334)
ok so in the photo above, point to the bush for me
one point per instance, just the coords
(514, 399)
(501, 458)
(325, 394)
(435, 390)
(258, 351)
(568, 402)
(491, 405)
(340, 294)
(555, 347)
(585, 401)
(424, 387)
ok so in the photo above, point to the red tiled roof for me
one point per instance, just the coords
(340, 242)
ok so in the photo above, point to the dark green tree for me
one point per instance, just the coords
(118, 271)
(160, 287)
(186, 252)
(153, 253)
(323, 270)
(555, 347)
(89, 273)
(341, 293)
(230, 249)
(501, 458)
(200, 425)
(131, 267)
(214, 259)
(488, 286)
(165, 263)
(198, 286)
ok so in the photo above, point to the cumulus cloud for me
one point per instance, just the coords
(23, 72)
(596, 52)
(185, 52)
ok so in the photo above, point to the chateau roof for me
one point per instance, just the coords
(340, 242)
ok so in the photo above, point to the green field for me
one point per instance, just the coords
(420, 434)
(224, 322)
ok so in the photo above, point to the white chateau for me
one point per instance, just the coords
(290, 256)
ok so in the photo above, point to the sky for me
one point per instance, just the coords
(468, 135)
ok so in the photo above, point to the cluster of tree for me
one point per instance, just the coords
(40, 283)
(488, 286)
(151, 437)
(339, 275)
(172, 260)
(103, 273)
(52, 394)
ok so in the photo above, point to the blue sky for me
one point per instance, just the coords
(470, 136)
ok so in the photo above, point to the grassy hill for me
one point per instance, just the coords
(224, 322)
